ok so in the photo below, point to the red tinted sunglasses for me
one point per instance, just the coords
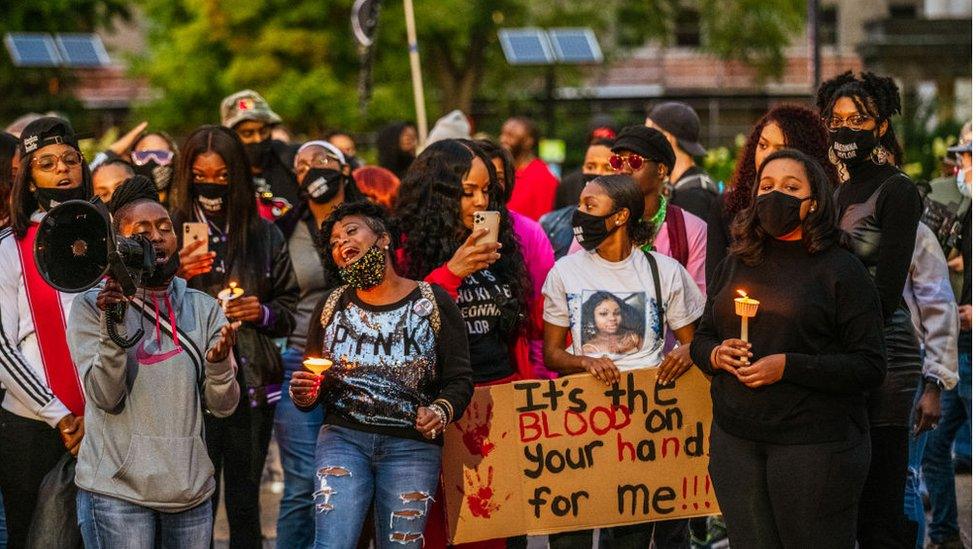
(635, 161)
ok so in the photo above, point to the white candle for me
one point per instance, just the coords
(229, 294)
(746, 307)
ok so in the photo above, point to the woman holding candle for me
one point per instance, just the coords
(143, 472)
(879, 209)
(587, 295)
(789, 444)
(214, 186)
(401, 375)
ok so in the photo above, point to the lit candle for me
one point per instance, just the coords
(745, 307)
(317, 365)
(229, 294)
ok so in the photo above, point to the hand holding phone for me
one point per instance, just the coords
(487, 220)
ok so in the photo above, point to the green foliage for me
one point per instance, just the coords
(40, 90)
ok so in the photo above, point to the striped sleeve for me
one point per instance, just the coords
(17, 376)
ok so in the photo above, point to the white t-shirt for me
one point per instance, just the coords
(610, 307)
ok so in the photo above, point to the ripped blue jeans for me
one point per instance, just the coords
(354, 468)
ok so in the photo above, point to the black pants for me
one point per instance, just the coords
(238, 446)
(789, 496)
(667, 534)
(29, 449)
(881, 519)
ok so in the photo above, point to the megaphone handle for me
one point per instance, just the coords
(116, 316)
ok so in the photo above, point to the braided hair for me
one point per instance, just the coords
(875, 96)
(132, 191)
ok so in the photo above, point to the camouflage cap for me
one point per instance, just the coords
(246, 105)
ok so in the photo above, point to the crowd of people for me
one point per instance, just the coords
(349, 311)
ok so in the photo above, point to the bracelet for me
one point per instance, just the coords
(440, 413)
(447, 408)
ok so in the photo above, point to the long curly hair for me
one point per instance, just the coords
(428, 216)
(803, 130)
(875, 96)
(819, 227)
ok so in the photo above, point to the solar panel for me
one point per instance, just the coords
(31, 49)
(82, 50)
(526, 46)
(575, 46)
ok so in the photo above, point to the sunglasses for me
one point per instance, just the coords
(49, 162)
(635, 161)
(141, 158)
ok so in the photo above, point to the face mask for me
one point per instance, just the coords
(853, 146)
(590, 230)
(49, 198)
(257, 153)
(163, 273)
(211, 196)
(778, 213)
(161, 176)
(321, 185)
(367, 271)
(964, 187)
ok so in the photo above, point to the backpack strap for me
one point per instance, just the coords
(328, 310)
(435, 316)
(674, 218)
(658, 306)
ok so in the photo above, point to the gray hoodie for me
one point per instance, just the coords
(144, 440)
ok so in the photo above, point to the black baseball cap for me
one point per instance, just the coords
(681, 121)
(647, 142)
(47, 130)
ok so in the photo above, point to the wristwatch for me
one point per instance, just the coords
(932, 380)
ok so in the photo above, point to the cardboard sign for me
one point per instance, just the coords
(537, 457)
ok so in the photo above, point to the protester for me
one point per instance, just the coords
(143, 472)
(789, 412)
(956, 402)
(879, 210)
(401, 374)
(43, 410)
(396, 145)
(323, 177)
(602, 128)
(558, 224)
(108, 175)
(535, 186)
(935, 320)
(250, 116)
(627, 297)
(691, 188)
(783, 126)
(453, 125)
(8, 151)
(347, 145)
(213, 186)
(154, 155)
(378, 185)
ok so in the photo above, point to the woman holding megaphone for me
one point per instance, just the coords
(143, 472)
(42, 412)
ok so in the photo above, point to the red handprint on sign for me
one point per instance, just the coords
(474, 430)
(480, 495)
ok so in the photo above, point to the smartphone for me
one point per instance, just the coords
(489, 220)
(194, 232)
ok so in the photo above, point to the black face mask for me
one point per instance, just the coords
(49, 198)
(321, 185)
(163, 273)
(258, 153)
(853, 146)
(778, 213)
(590, 230)
(161, 176)
(211, 196)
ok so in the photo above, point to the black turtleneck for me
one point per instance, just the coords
(899, 209)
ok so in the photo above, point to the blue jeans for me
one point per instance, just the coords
(111, 523)
(914, 509)
(3, 526)
(296, 432)
(937, 462)
(397, 475)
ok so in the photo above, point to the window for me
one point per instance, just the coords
(828, 26)
(902, 12)
(687, 28)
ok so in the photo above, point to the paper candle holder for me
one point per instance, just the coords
(317, 365)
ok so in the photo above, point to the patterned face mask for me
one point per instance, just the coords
(367, 271)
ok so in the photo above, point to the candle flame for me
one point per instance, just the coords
(233, 285)
(742, 293)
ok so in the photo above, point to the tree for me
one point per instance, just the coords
(301, 56)
(48, 89)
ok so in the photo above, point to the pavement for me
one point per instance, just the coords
(270, 499)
